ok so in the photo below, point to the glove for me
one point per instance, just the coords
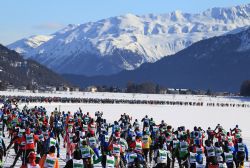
(247, 159)
(58, 155)
(4, 154)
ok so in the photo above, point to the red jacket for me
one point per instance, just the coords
(28, 145)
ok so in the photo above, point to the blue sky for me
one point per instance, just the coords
(23, 18)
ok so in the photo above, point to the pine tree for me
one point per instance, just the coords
(245, 88)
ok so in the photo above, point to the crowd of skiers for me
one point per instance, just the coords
(38, 137)
(38, 99)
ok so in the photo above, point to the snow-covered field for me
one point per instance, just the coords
(132, 96)
(175, 115)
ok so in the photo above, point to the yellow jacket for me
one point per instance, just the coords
(146, 141)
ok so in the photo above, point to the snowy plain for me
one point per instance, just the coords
(175, 115)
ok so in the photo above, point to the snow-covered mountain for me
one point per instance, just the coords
(26, 45)
(219, 63)
(125, 42)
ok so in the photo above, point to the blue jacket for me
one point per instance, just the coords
(130, 134)
(102, 140)
(231, 148)
(46, 146)
(236, 150)
(139, 156)
(115, 127)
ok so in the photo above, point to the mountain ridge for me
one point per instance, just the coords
(19, 72)
(219, 63)
(128, 41)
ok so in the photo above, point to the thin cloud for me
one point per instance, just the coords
(49, 26)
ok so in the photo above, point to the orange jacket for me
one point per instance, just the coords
(43, 159)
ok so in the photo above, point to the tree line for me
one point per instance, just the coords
(245, 88)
